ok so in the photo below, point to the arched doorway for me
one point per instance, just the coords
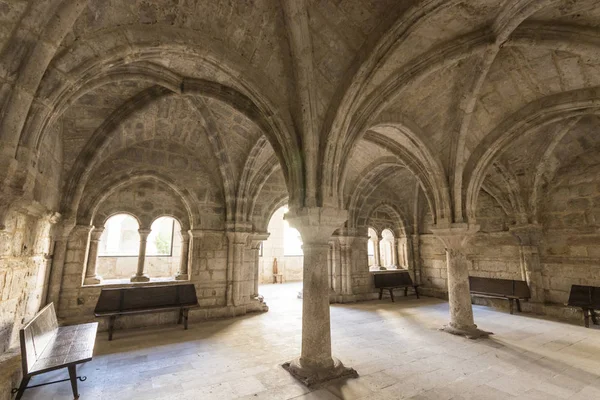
(281, 257)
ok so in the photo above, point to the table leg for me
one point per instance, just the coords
(185, 318)
(392, 294)
(586, 317)
(511, 305)
(73, 377)
(111, 325)
(22, 387)
(380, 294)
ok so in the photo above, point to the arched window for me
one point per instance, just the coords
(160, 240)
(120, 237)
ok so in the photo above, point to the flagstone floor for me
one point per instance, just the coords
(395, 347)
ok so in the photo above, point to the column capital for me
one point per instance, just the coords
(345, 241)
(238, 237)
(455, 236)
(97, 233)
(316, 224)
(527, 234)
(257, 238)
(185, 234)
(144, 233)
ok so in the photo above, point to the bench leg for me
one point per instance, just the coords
(405, 291)
(185, 318)
(518, 305)
(22, 387)
(111, 325)
(73, 377)
(380, 294)
(392, 294)
(180, 316)
(511, 305)
(416, 291)
(586, 317)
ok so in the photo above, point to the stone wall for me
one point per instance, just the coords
(570, 250)
(24, 262)
(207, 270)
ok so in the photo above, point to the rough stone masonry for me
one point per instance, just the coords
(469, 129)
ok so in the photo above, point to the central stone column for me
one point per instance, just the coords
(455, 239)
(91, 277)
(316, 364)
(139, 275)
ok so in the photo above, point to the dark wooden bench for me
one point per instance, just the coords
(46, 347)
(394, 279)
(501, 289)
(146, 299)
(588, 298)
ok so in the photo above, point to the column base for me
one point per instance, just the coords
(182, 277)
(92, 280)
(470, 332)
(140, 278)
(311, 376)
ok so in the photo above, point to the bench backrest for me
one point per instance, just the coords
(584, 296)
(145, 297)
(500, 287)
(392, 279)
(36, 335)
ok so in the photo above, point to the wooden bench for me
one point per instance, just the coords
(500, 289)
(588, 298)
(146, 299)
(46, 347)
(395, 279)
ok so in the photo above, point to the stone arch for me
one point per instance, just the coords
(374, 175)
(276, 204)
(537, 114)
(353, 126)
(131, 45)
(109, 216)
(402, 227)
(90, 209)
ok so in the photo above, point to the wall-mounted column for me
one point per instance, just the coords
(63, 230)
(255, 242)
(139, 275)
(91, 276)
(235, 262)
(529, 237)
(414, 255)
(455, 240)
(316, 364)
(346, 263)
(183, 274)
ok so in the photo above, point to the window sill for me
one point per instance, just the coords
(125, 282)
